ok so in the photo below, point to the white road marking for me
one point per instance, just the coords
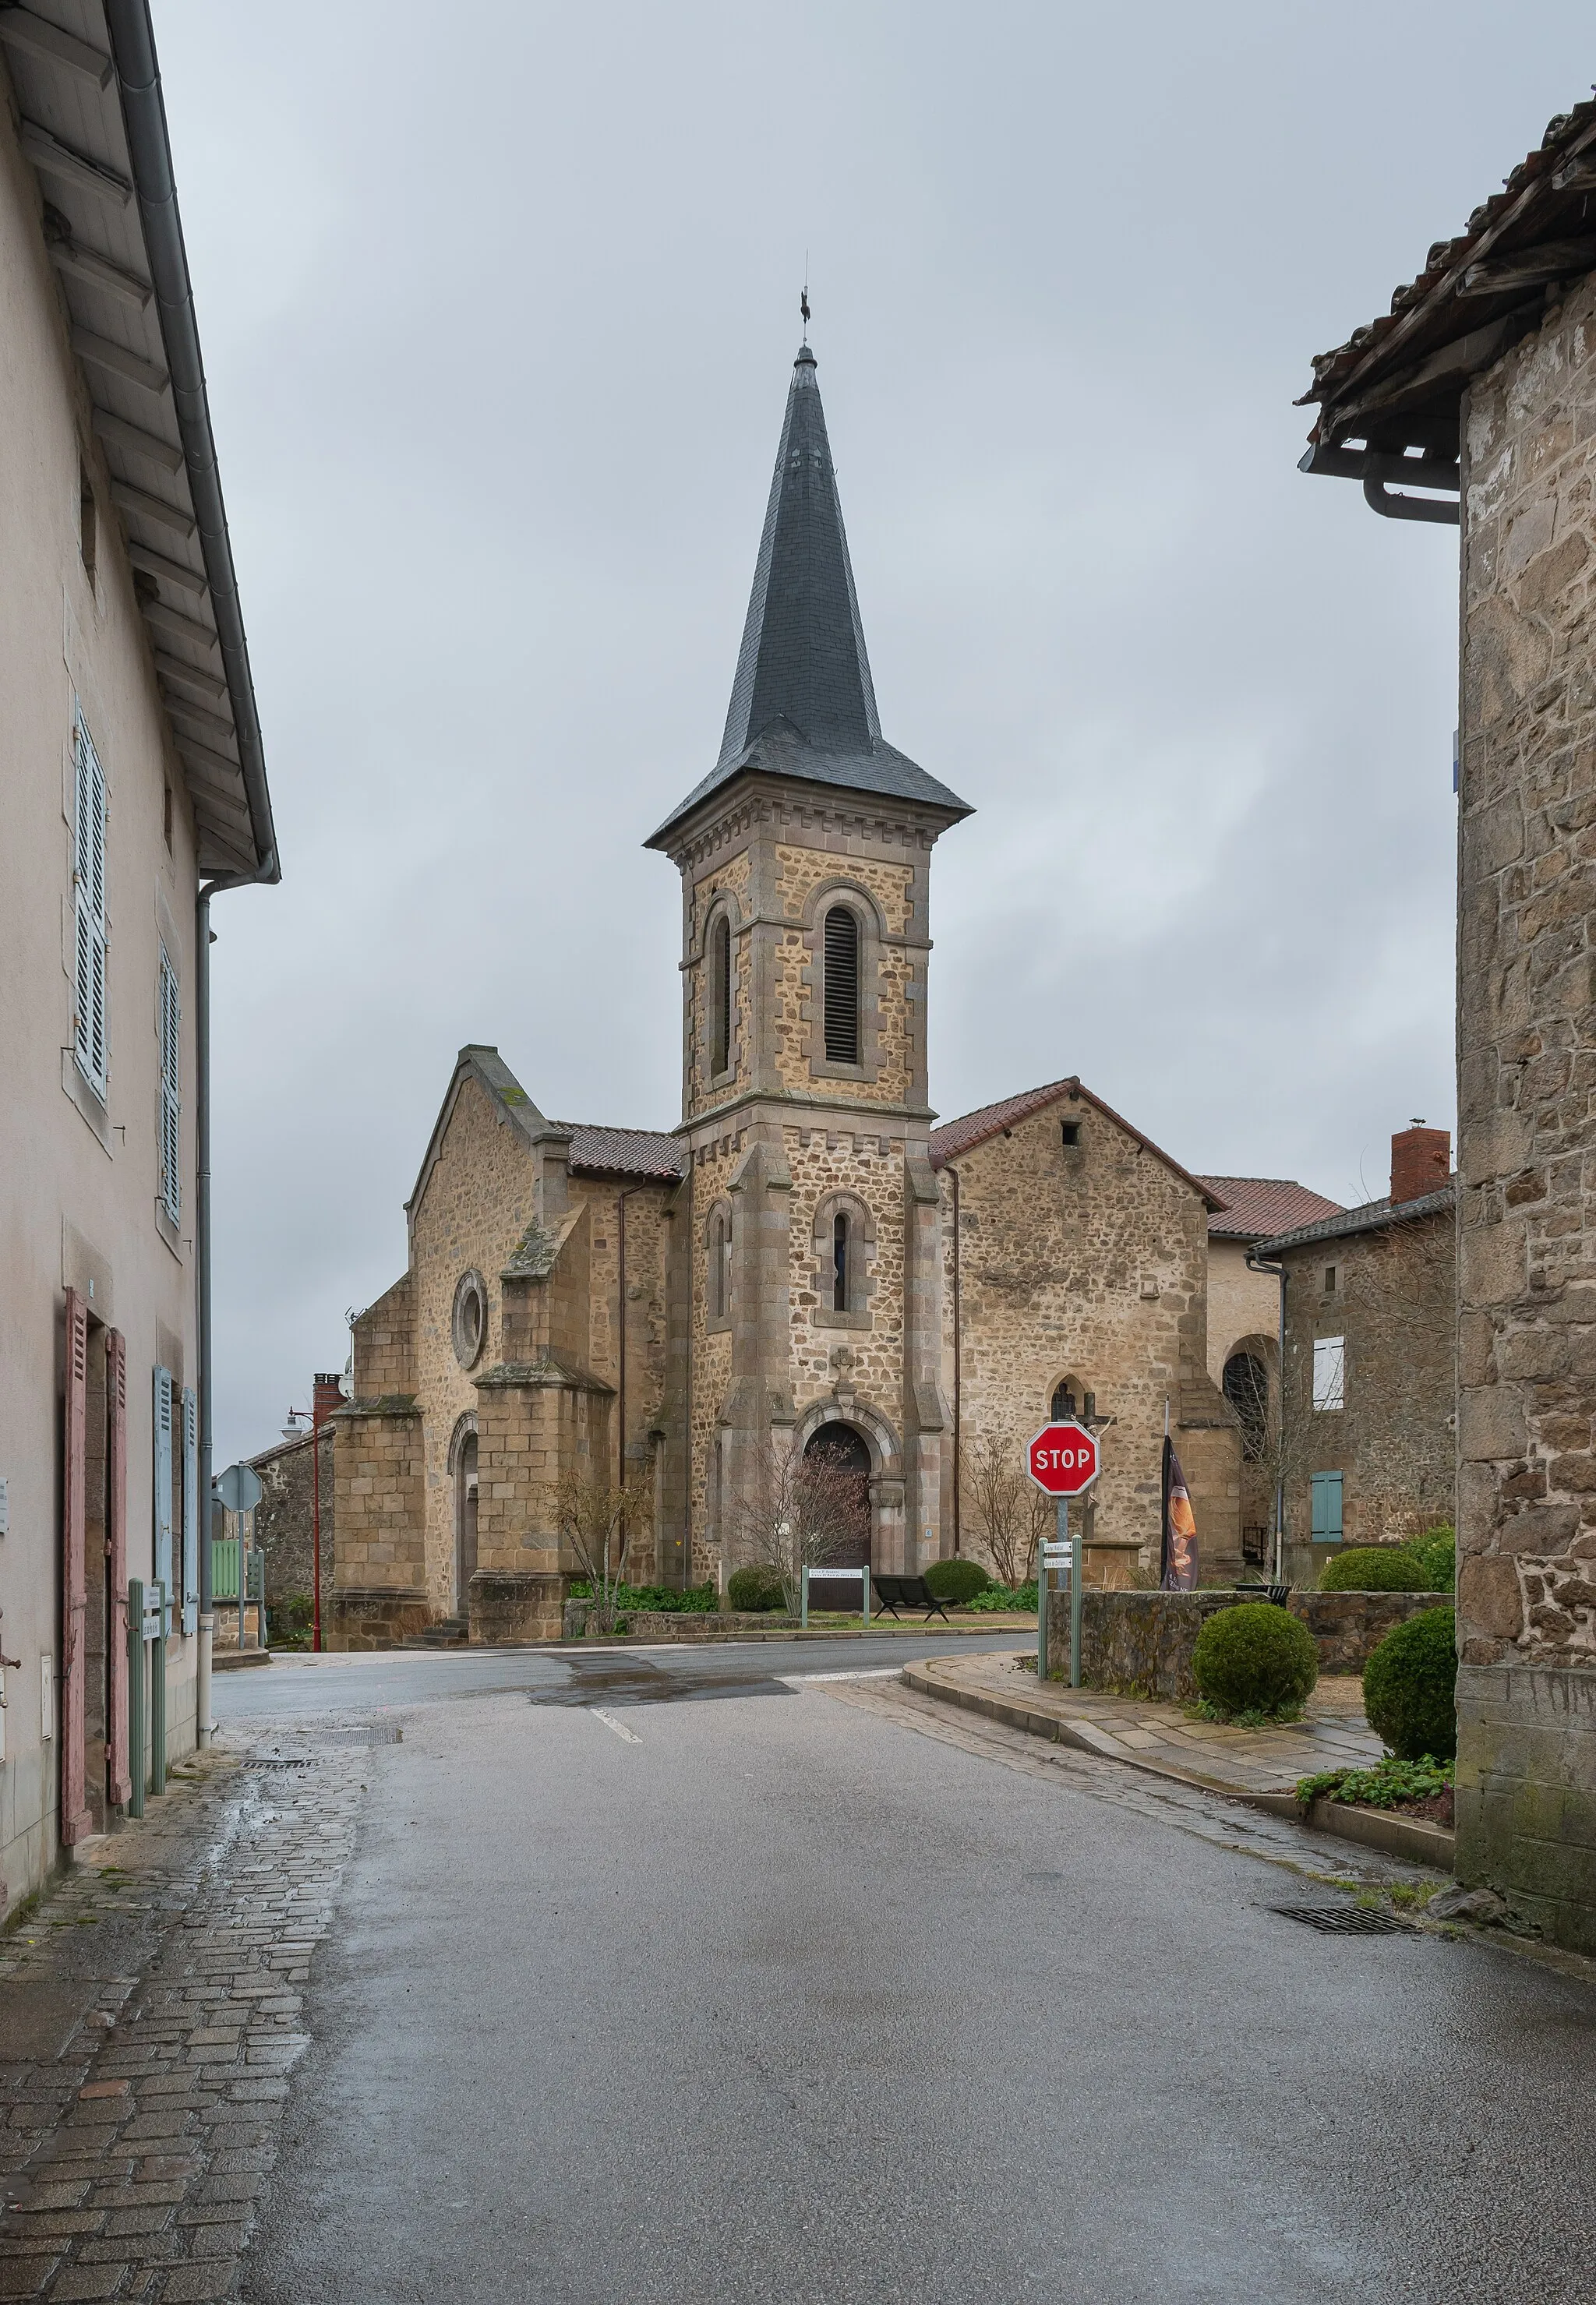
(610, 1722)
(865, 1673)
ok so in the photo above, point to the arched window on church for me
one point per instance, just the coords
(720, 1268)
(840, 1246)
(1246, 1387)
(720, 996)
(842, 987)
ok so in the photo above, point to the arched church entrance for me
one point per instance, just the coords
(847, 1453)
(465, 1519)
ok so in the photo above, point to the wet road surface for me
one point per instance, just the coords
(802, 1994)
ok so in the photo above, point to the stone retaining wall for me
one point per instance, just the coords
(1140, 1644)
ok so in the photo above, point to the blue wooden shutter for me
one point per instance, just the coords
(171, 1021)
(163, 1485)
(89, 907)
(191, 1510)
(1326, 1508)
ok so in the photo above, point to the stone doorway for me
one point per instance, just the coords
(841, 1445)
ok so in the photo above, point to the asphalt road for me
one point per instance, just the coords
(790, 1995)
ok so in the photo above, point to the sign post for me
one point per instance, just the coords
(239, 1489)
(1063, 1460)
(862, 1577)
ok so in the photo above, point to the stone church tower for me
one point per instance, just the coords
(806, 1298)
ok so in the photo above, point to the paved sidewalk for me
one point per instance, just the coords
(1333, 1735)
(150, 2016)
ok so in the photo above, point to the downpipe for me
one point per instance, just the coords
(204, 939)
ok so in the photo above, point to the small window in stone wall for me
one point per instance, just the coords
(469, 1322)
(1069, 1131)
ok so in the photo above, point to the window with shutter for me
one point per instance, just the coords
(163, 1390)
(88, 908)
(842, 987)
(170, 1020)
(1329, 1372)
(1326, 1508)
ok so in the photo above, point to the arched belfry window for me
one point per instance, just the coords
(720, 996)
(839, 1264)
(842, 987)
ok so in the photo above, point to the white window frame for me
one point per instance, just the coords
(91, 941)
(169, 1022)
(1330, 1373)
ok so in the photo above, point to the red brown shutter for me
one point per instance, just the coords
(74, 1591)
(120, 1784)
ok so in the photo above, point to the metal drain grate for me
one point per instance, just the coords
(271, 1761)
(1348, 1920)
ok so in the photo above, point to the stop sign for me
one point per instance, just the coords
(1063, 1459)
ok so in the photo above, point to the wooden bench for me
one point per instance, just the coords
(891, 1594)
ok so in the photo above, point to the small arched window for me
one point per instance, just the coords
(1065, 1405)
(839, 1264)
(842, 987)
(720, 996)
(1246, 1387)
(720, 1267)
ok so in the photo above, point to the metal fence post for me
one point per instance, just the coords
(865, 1575)
(1076, 1568)
(803, 1599)
(157, 1702)
(135, 1694)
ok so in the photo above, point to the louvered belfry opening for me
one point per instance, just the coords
(842, 987)
(720, 997)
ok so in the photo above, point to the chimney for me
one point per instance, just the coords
(328, 1395)
(1421, 1161)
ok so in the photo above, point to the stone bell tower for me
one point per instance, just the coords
(806, 1284)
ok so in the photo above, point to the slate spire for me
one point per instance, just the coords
(802, 700)
(802, 658)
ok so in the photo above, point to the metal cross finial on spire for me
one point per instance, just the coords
(804, 299)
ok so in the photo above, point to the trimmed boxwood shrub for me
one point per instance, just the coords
(755, 1588)
(957, 1580)
(1410, 1686)
(1375, 1569)
(1254, 1658)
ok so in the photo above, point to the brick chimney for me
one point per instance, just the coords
(1421, 1161)
(327, 1395)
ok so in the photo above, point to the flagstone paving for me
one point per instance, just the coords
(149, 2017)
(1333, 1734)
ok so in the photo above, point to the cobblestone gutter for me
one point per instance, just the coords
(150, 2016)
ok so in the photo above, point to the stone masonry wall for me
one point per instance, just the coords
(1527, 1141)
(283, 1517)
(1140, 1644)
(1088, 1262)
(869, 1168)
(1394, 1304)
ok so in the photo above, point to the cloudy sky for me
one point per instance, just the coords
(499, 303)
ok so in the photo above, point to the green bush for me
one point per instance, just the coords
(957, 1580)
(1409, 1686)
(1436, 1552)
(1375, 1569)
(1254, 1658)
(755, 1588)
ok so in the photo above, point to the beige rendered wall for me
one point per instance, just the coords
(1240, 1303)
(76, 1201)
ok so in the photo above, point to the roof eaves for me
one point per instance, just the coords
(1375, 1216)
(94, 128)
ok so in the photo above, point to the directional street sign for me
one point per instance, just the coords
(1063, 1459)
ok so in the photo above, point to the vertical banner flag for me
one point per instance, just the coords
(1180, 1527)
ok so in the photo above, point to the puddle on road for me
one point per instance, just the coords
(629, 1680)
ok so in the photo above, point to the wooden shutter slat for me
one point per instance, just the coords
(74, 1590)
(119, 1775)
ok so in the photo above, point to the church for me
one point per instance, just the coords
(808, 1261)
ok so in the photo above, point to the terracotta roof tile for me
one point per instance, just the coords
(1256, 1207)
(642, 1153)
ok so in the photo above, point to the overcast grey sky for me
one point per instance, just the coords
(499, 303)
